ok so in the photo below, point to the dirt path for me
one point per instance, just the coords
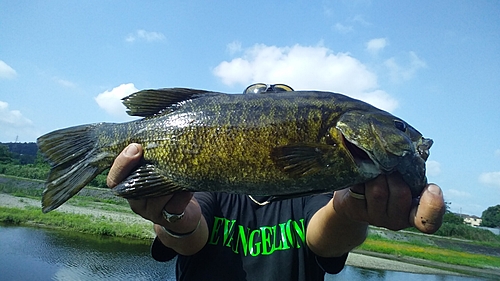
(371, 262)
(8, 200)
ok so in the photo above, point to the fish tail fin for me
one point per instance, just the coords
(75, 157)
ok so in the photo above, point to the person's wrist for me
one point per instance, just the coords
(179, 235)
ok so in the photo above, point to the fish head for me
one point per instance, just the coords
(388, 143)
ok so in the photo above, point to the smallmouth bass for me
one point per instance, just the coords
(283, 144)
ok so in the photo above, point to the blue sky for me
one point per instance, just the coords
(436, 64)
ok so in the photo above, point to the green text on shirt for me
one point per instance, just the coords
(262, 241)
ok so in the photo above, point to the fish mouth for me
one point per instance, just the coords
(359, 156)
(423, 147)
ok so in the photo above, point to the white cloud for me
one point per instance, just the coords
(433, 168)
(375, 45)
(347, 27)
(361, 20)
(111, 101)
(63, 82)
(14, 124)
(402, 73)
(6, 72)
(342, 28)
(12, 117)
(454, 193)
(234, 47)
(490, 178)
(149, 36)
(305, 67)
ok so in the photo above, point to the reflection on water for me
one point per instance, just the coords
(41, 254)
(360, 274)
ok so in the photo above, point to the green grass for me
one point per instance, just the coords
(375, 243)
(75, 222)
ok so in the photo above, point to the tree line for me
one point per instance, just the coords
(32, 164)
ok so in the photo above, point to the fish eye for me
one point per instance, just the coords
(400, 125)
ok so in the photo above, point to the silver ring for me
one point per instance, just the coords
(356, 195)
(171, 218)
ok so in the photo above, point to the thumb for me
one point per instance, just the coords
(124, 164)
(427, 214)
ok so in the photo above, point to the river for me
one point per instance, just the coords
(42, 254)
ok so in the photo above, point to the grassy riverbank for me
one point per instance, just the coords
(74, 222)
(375, 243)
(97, 211)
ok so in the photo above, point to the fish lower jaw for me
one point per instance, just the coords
(363, 159)
(368, 169)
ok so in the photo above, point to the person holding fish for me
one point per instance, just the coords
(244, 237)
(271, 184)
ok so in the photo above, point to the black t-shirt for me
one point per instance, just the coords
(252, 242)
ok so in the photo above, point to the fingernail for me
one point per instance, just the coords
(131, 150)
(434, 189)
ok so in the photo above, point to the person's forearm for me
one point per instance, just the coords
(187, 245)
(330, 234)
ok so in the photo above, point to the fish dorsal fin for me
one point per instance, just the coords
(300, 159)
(145, 182)
(147, 103)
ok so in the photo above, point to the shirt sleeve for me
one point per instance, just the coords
(160, 252)
(315, 202)
(332, 265)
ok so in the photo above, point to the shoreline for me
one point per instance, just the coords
(357, 258)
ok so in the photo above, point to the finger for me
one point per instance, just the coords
(183, 202)
(354, 208)
(399, 203)
(377, 197)
(124, 164)
(358, 188)
(150, 208)
(427, 215)
(177, 204)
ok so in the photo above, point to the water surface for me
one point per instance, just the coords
(42, 254)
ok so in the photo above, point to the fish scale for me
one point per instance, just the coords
(281, 144)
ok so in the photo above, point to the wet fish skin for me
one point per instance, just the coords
(282, 144)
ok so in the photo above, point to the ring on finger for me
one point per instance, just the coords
(356, 195)
(171, 218)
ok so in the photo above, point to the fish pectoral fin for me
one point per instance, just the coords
(302, 159)
(145, 182)
(147, 103)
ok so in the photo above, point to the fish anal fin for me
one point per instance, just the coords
(145, 182)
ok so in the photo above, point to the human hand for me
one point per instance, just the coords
(388, 203)
(151, 208)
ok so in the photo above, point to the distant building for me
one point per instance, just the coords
(471, 220)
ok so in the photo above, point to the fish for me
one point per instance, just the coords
(281, 144)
